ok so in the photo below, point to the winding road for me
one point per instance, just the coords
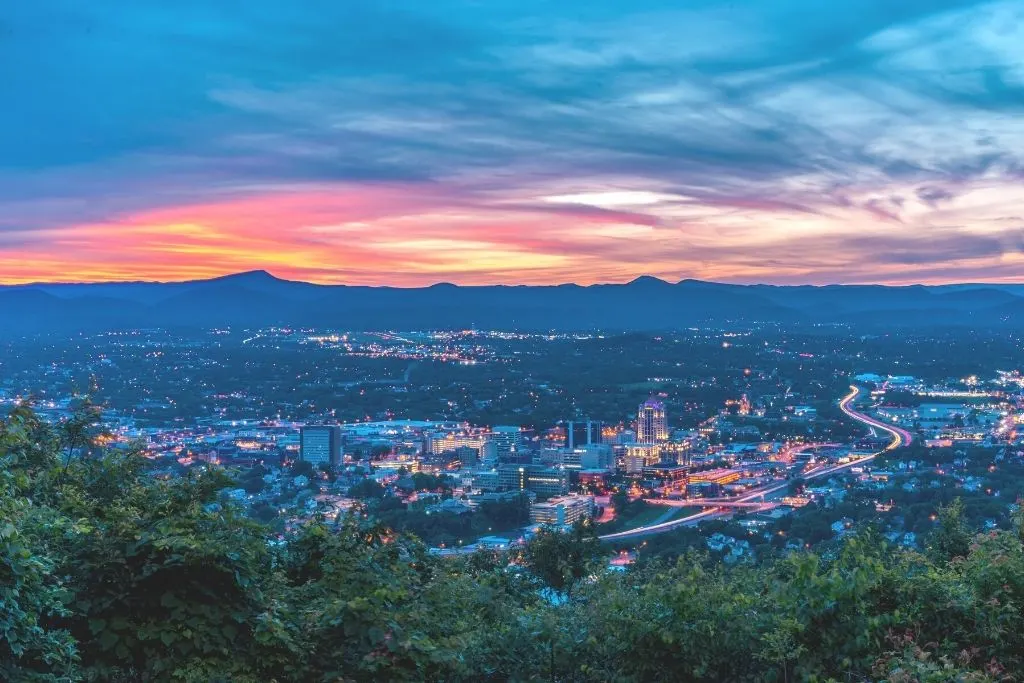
(900, 437)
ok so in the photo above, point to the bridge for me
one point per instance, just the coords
(711, 503)
(801, 448)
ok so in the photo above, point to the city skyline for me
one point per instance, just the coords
(514, 143)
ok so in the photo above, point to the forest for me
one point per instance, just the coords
(108, 573)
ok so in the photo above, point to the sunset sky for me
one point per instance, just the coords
(408, 142)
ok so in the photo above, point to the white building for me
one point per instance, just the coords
(562, 511)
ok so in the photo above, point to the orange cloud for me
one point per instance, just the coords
(417, 234)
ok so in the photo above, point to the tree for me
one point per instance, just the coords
(110, 574)
(952, 537)
(82, 427)
(32, 648)
(252, 483)
(303, 468)
(796, 486)
(561, 559)
(620, 499)
(165, 582)
(367, 489)
(329, 470)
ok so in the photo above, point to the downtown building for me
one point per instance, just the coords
(485, 450)
(507, 441)
(562, 511)
(597, 456)
(643, 455)
(320, 445)
(544, 481)
(651, 424)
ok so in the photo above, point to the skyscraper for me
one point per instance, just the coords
(651, 426)
(320, 444)
(507, 440)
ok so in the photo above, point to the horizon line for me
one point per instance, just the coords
(647, 277)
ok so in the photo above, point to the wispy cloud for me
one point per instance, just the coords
(406, 142)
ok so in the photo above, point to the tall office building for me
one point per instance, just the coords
(488, 453)
(544, 481)
(639, 456)
(593, 457)
(320, 444)
(651, 426)
(506, 440)
(581, 433)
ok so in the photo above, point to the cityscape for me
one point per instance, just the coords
(708, 452)
(516, 341)
(569, 461)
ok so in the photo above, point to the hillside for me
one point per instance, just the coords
(258, 298)
(110, 574)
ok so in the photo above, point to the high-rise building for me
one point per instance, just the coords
(320, 444)
(581, 433)
(592, 457)
(442, 442)
(506, 440)
(651, 426)
(639, 456)
(489, 453)
(467, 455)
(543, 481)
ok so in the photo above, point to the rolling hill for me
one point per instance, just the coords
(257, 298)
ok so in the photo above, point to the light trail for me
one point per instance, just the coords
(900, 437)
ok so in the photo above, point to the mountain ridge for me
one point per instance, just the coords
(263, 274)
(258, 298)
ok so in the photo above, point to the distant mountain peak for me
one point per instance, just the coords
(251, 276)
(648, 280)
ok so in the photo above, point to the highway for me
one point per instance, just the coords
(900, 437)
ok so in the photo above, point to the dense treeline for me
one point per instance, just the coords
(107, 574)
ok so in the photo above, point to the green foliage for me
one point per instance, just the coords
(110, 574)
(366, 489)
(561, 560)
(303, 468)
(952, 538)
(31, 597)
(422, 481)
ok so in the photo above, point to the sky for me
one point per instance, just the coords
(408, 142)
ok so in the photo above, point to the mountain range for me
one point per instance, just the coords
(257, 298)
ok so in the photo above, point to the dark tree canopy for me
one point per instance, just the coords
(110, 574)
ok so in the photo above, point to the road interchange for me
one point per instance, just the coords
(900, 437)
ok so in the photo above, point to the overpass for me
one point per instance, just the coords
(900, 437)
(709, 503)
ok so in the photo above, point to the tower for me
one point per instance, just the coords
(651, 426)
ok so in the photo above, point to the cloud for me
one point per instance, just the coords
(400, 141)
